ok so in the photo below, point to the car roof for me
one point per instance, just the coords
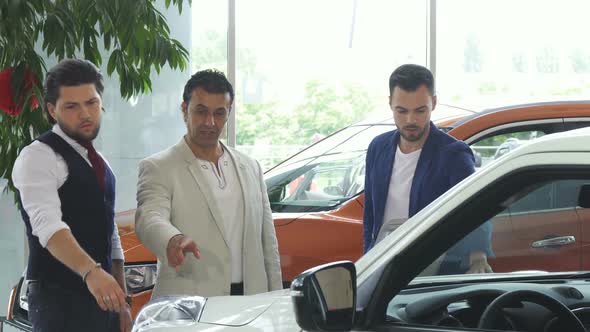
(442, 112)
(529, 107)
(445, 112)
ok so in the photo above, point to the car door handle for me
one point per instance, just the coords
(554, 242)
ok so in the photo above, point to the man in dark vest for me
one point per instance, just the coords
(67, 198)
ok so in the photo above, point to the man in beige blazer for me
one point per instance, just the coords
(202, 207)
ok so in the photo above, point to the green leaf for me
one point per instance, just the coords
(136, 31)
(112, 62)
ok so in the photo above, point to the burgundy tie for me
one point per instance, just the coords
(97, 163)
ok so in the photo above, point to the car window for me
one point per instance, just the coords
(498, 141)
(539, 226)
(551, 196)
(571, 124)
(539, 229)
(323, 182)
(318, 185)
(567, 193)
(496, 146)
(538, 200)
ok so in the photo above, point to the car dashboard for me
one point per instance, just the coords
(462, 305)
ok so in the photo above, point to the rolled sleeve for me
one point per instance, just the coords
(35, 176)
(45, 231)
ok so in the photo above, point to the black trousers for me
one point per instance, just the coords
(54, 308)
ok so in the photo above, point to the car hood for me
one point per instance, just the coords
(285, 218)
(269, 310)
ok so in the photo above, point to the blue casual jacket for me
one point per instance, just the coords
(444, 162)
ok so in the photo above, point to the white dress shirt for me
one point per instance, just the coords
(225, 186)
(38, 174)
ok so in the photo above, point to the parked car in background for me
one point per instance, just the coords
(508, 145)
(387, 289)
(325, 209)
(317, 198)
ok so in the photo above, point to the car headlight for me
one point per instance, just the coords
(167, 311)
(140, 277)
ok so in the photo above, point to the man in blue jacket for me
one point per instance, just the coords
(408, 168)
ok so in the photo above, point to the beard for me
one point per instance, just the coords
(77, 135)
(415, 136)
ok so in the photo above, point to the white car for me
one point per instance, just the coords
(397, 286)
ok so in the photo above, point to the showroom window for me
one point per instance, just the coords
(495, 53)
(305, 69)
(209, 35)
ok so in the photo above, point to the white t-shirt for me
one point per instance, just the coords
(225, 186)
(397, 205)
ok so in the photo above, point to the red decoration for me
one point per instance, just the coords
(7, 103)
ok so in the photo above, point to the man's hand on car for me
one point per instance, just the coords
(478, 263)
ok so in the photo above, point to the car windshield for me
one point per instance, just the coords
(324, 175)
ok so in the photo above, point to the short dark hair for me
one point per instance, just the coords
(69, 72)
(210, 80)
(410, 77)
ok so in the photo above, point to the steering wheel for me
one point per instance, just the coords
(493, 312)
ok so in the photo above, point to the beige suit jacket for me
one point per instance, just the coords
(173, 198)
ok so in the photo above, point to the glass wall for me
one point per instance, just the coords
(12, 246)
(495, 53)
(136, 128)
(209, 35)
(308, 68)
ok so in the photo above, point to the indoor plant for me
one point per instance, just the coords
(132, 34)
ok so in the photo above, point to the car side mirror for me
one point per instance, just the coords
(324, 297)
(584, 196)
(276, 194)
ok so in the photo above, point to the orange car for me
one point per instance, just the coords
(323, 223)
(317, 197)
